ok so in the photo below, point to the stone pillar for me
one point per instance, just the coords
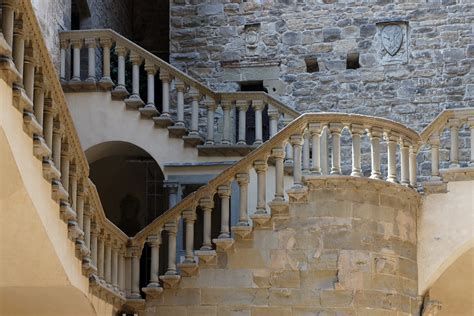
(76, 66)
(64, 45)
(8, 20)
(392, 140)
(154, 241)
(194, 94)
(128, 272)
(224, 194)
(226, 135)
(165, 84)
(324, 151)
(114, 266)
(91, 45)
(434, 141)
(211, 107)
(57, 144)
(258, 107)
(336, 129)
(404, 162)
(65, 166)
(120, 91)
(173, 188)
(172, 229)
(243, 181)
(306, 138)
(454, 153)
(80, 204)
(38, 99)
(87, 226)
(273, 115)
(375, 134)
(315, 132)
(73, 186)
(296, 141)
(180, 89)
(29, 74)
(106, 80)
(135, 277)
(108, 260)
(412, 170)
(242, 106)
(189, 218)
(206, 205)
(18, 45)
(101, 257)
(356, 131)
(121, 271)
(278, 155)
(94, 245)
(48, 123)
(261, 170)
(150, 73)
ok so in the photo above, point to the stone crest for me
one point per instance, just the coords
(251, 38)
(392, 38)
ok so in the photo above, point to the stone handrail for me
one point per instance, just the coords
(304, 135)
(37, 93)
(453, 119)
(183, 84)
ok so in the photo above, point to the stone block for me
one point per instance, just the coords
(336, 298)
(202, 310)
(285, 279)
(292, 38)
(374, 212)
(210, 9)
(408, 269)
(181, 297)
(168, 310)
(229, 310)
(234, 296)
(294, 297)
(319, 279)
(247, 259)
(331, 34)
(270, 311)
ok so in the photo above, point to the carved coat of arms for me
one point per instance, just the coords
(392, 38)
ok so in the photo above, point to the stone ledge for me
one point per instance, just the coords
(225, 150)
(458, 174)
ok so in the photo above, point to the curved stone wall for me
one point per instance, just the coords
(349, 249)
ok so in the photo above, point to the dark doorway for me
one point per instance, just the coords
(250, 117)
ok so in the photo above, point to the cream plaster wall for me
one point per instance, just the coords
(445, 230)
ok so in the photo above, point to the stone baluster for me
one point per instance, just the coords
(114, 269)
(375, 134)
(172, 229)
(165, 84)
(412, 170)
(121, 270)
(454, 133)
(57, 144)
(189, 218)
(392, 140)
(356, 131)
(261, 167)
(108, 260)
(8, 10)
(226, 135)
(64, 46)
(258, 107)
(120, 91)
(434, 142)
(94, 245)
(211, 108)
(65, 166)
(324, 151)
(38, 103)
(206, 204)
(91, 45)
(173, 188)
(306, 137)
(180, 89)
(106, 81)
(242, 106)
(80, 204)
(224, 194)
(29, 73)
(278, 155)
(19, 46)
(73, 186)
(135, 275)
(243, 182)
(194, 94)
(134, 100)
(150, 72)
(273, 115)
(315, 133)
(404, 162)
(48, 122)
(470, 122)
(296, 141)
(86, 226)
(100, 256)
(336, 129)
(154, 241)
(128, 271)
(76, 65)
(288, 147)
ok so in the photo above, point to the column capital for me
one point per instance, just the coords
(296, 139)
(336, 128)
(260, 166)
(64, 43)
(150, 67)
(189, 215)
(405, 142)
(242, 105)
(135, 58)
(273, 113)
(206, 203)
(134, 251)
(94, 228)
(454, 122)
(226, 104)
(357, 129)
(258, 105)
(194, 94)
(154, 240)
(172, 186)
(223, 190)
(179, 85)
(106, 42)
(76, 42)
(391, 136)
(165, 75)
(88, 211)
(278, 152)
(210, 103)
(470, 122)
(80, 188)
(242, 178)
(65, 149)
(121, 50)
(58, 127)
(315, 128)
(375, 132)
(18, 28)
(171, 227)
(90, 42)
(49, 106)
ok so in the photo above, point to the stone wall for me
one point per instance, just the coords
(350, 250)
(431, 43)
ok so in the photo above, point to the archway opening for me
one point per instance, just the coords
(129, 183)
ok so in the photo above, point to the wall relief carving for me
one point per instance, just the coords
(393, 42)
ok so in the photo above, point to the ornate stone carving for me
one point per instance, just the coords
(393, 41)
(392, 38)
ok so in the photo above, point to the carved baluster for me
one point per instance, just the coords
(194, 94)
(73, 186)
(288, 147)
(454, 153)
(243, 181)
(87, 229)
(19, 45)
(392, 140)
(434, 142)
(226, 135)
(189, 266)
(108, 260)
(315, 132)
(180, 89)
(106, 81)
(80, 204)
(356, 131)
(258, 107)
(135, 275)
(165, 118)
(94, 245)
(134, 99)
(273, 115)
(8, 9)
(211, 107)
(171, 277)
(375, 134)
(412, 170)
(306, 137)
(76, 66)
(150, 72)
(296, 141)
(64, 46)
(404, 162)
(91, 45)
(114, 269)
(29, 73)
(278, 155)
(57, 144)
(153, 287)
(261, 167)
(100, 257)
(224, 194)
(48, 122)
(242, 106)
(38, 99)
(120, 91)
(121, 270)
(336, 129)
(324, 151)
(206, 204)
(65, 166)
(128, 271)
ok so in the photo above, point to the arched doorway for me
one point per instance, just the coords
(130, 184)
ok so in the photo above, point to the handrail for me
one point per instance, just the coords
(442, 119)
(295, 127)
(108, 33)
